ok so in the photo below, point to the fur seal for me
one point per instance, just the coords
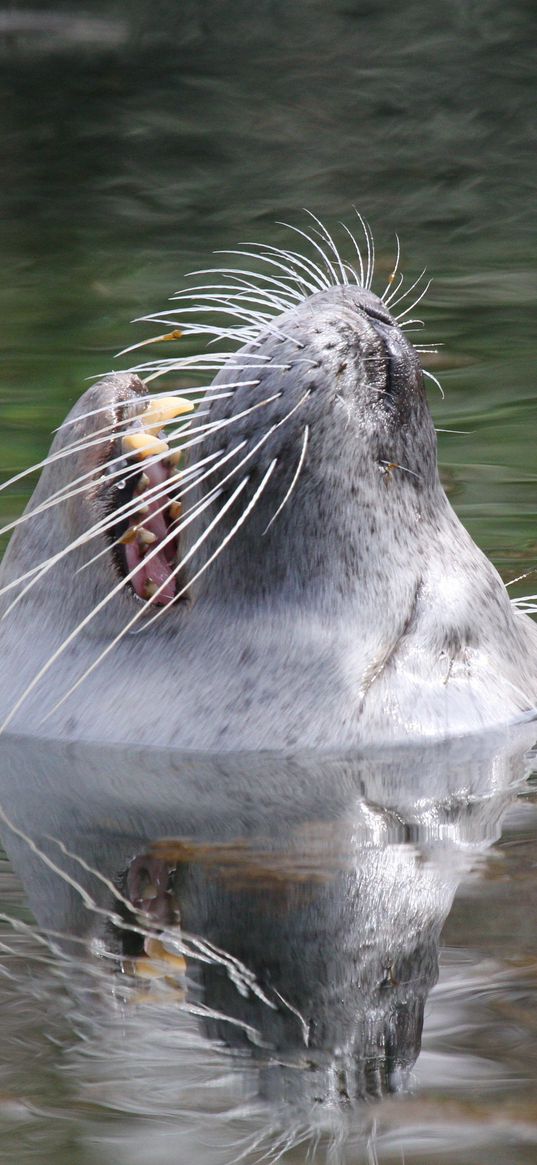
(282, 570)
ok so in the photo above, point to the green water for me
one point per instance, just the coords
(135, 147)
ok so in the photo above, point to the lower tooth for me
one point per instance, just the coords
(141, 484)
(149, 588)
(142, 445)
(175, 510)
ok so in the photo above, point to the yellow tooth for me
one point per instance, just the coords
(129, 535)
(149, 892)
(163, 409)
(145, 537)
(150, 588)
(141, 485)
(142, 444)
(175, 510)
(155, 949)
(147, 969)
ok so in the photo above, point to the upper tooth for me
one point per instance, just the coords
(143, 444)
(140, 534)
(145, 537)
(129, 535)
(163, 409)
(149, 588)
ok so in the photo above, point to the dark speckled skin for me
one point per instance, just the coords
(364, 614)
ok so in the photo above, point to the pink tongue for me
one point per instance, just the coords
(153, 565)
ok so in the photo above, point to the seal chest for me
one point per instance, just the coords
(280, 568)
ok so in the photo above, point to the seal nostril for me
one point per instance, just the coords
(374, 314)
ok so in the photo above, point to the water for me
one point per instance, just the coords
(136, 141)
(224, 976)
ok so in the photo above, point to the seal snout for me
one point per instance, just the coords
(372, 306)
(403, 373)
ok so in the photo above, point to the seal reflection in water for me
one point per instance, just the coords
(298, 927)
(280, 569)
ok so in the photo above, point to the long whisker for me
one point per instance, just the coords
(254, 449)
(67, 492)
(370, 245)
(418, 299)
(139, 613)
(260, 255)
(231, 533)
(258, 252)
(393, 274)
(192, 484)
(296, 476)
(104, 524)
(318, 248)
(430, 376)
(154, 493)
(232, 297)
(173, 534)
(393, 302)
(324, 233)
(303, 263)
(88, 618)
(278, 292)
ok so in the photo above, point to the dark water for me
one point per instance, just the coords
(371, 895)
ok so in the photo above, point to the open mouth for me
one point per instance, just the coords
(145, 537)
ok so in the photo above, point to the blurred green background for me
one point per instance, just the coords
(139, 137)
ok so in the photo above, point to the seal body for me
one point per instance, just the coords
(322, 591)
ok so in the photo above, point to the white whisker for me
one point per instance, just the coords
(231, 534)
(66, 492)
(391, 279)
(360, 280)
(393, 302)
(122, 513)
(324, 233)
(430, 376)
(255, 275)
(95, 611)
(281, 266)
(296, 476)
(317, 247)
(458, 432)
(278, 291)
(370, 249)
(303, 263)
(418, 299)
(143, 610)
(147, 398)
